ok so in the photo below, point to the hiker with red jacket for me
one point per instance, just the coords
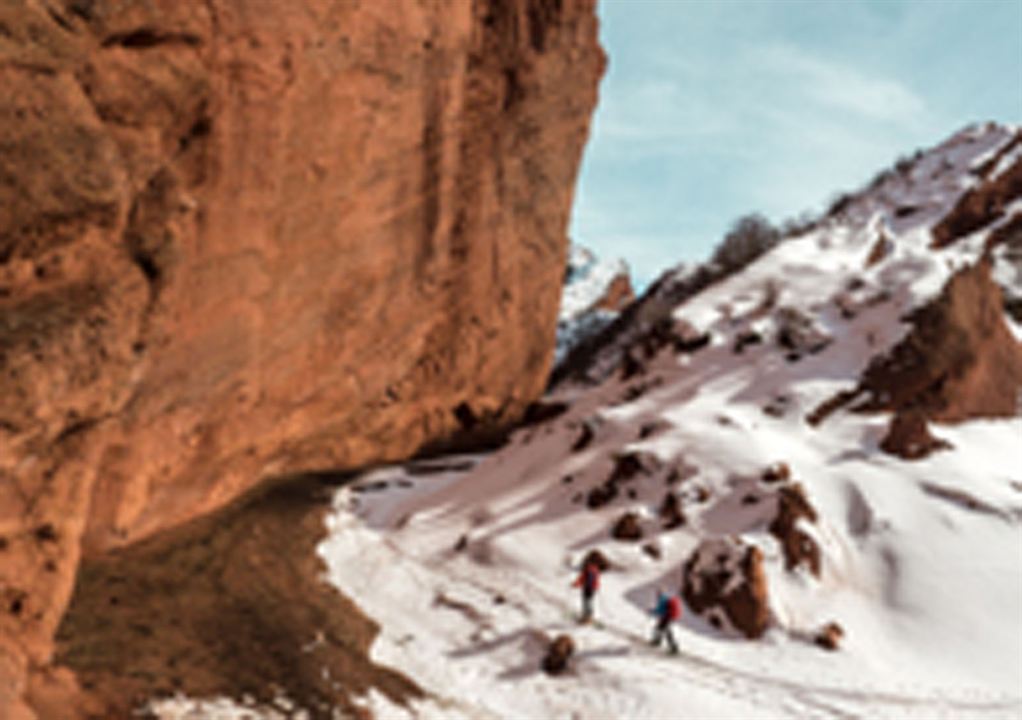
(668, 610)
(589, 581)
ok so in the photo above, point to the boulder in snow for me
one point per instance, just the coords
(586, 435)
(799, 334)
(829, 636)
(797, 545)
(601, 495)
(744, 339)
(778, 472)
(627, 528)
(558, 655)
(723, 582)
(908, 437)
(882, 247)
(670, 511)
(629, 465)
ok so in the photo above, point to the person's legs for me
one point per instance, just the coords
(672, 646)
(658, 633)
(587, 605)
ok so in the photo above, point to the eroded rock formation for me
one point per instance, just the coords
(243, 238)
(959, 361)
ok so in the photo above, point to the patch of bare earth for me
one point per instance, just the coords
(227, 605)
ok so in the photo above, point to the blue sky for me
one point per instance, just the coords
(714, 108)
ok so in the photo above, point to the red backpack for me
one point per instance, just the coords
(674, 607)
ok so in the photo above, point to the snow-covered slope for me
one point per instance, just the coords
(467, 565)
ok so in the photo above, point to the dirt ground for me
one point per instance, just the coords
(230, 604)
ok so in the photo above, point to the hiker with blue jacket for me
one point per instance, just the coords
(667, 611)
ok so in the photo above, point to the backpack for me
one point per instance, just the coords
(674, 608)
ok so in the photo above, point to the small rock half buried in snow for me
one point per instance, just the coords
(627, 527)
(558, 655)
(829, 636)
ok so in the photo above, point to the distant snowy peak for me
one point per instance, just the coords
(594, 292)
(594, 284)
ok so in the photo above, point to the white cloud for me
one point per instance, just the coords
(840, 87)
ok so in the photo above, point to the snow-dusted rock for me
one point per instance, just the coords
(724, 582)
(594, 292)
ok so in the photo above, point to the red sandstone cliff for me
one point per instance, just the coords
(239, 238)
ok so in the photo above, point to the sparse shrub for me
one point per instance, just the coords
(802, 223)
(839, 204)
(749, 237)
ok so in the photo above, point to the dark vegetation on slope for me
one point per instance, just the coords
(599, 355)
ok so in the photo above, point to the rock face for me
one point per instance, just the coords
(239, 239)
